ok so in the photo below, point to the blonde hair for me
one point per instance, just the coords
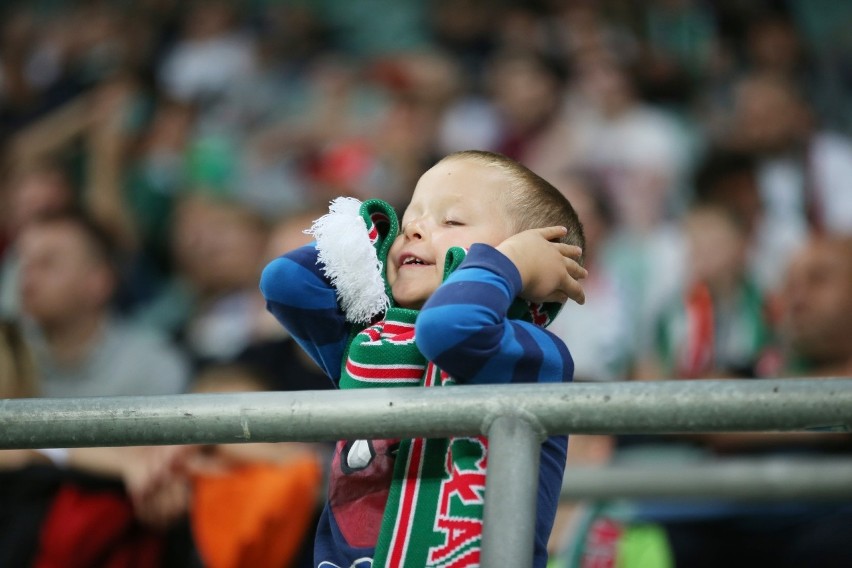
(531, 202)
(17, 366)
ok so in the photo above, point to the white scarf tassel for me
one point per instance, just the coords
(350, 260)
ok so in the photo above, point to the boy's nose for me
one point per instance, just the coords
(412, 230)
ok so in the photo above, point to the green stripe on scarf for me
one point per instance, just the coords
(433, 516)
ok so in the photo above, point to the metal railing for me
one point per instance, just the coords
(516, 418)
(736, 479)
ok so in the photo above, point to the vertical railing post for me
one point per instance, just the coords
(511, 490)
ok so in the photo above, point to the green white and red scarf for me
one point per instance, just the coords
(434, 511)
(433, 515)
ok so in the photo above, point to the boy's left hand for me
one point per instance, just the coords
(550, 271)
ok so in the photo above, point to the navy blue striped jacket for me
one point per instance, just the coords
(462, 328)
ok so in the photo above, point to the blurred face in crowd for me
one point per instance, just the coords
(455, 204)
(36, 193)
(818, 301)
(289, 233)
(524, 90)
(739, 191)
(773, 44)
(717, 249)
(768, 115)
(209, 19)
(462, 21)
(603, 82)
(218, 246)
(62, 277)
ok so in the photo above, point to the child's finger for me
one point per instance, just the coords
(551, 233)
(572, 288)
(575, 270)
(576, 293)
(570, 251)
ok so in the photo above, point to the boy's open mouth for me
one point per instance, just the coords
(411, 260)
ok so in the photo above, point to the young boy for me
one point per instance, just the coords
(447, 323)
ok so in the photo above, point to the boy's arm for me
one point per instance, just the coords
(302, 298)
(464, 329)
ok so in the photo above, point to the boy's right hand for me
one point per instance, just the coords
(550, 271)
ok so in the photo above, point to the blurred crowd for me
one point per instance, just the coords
(156, 154)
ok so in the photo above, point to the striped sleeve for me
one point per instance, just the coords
(302, 299)
(463, 327)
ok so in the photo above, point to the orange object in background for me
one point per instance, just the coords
(257, 515)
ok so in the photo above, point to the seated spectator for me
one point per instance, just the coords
(817, 302)
(774, 44)
(69, 507)
(730, 180)
(718, 325)
(212, 302)
(528, 92)
(815, 328)
(638, 151)
(803, 169)
(250, 504)
(33, 191)
(81, 348)
(211, 53)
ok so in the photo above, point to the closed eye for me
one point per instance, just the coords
(453, 223)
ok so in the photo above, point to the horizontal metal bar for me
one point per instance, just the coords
(634, 407)
(741, 480)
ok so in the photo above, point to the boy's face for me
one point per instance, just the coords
(455, 204)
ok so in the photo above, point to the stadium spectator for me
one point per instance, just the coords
(71, 506)
(37, 190)
(82, 349)
(212, 303)
(817, 297)
(803, 169)
(719, 324)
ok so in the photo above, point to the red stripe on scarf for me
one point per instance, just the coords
(391, 332)
(376, 218)
(402, 531)
(384, 373)
(373, 333)
(396, 328)
(411, 486)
